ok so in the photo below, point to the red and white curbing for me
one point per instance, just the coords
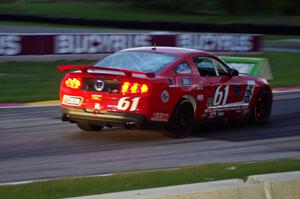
(282, 90)
(286, 89)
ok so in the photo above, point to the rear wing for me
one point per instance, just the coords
(104, 70)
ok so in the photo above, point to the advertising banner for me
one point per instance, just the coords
(90, 43)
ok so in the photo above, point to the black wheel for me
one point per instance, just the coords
(86, 126)
(262, 107)
(183, 119)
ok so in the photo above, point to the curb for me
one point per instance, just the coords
(270, 186)
(286, 89)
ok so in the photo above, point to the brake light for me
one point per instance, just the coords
(74, 83)
(134, 88)
(144, 88)
(125, 87)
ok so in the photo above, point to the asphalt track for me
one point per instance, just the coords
(35, 144)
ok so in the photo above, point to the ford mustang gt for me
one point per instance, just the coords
(177, 87)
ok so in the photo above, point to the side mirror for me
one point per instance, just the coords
(234, 72)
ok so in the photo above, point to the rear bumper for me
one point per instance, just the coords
(104, 118)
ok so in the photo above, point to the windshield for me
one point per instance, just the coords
(147, 62)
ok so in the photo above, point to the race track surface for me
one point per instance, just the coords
(35, 144)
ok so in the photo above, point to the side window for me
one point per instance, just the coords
(205, 66)
(221, 70)
(183, 68)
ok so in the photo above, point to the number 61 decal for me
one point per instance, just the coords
(221, 96)
(127, 103)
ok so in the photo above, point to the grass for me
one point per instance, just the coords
(38, 81)
(139, 180)
(125, 11)
(285, 67)
(30, 81)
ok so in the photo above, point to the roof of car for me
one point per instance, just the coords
(168, 50)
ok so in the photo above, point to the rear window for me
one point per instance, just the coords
(137, 61)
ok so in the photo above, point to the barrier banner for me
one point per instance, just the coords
(89, 43)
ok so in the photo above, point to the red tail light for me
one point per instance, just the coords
(74, 83)
(134, 88)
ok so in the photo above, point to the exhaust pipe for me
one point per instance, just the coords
(65, 118)
(130, 125)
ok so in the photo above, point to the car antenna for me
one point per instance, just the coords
(154, 47)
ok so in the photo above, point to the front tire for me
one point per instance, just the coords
(183, 120)
(86, 126)
(261, 111)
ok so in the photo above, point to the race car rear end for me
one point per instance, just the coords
(105, 97)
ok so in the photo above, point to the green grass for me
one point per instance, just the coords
(125, 11)
(38, 81)
(285, 67)
(30, 81)
(139, 180)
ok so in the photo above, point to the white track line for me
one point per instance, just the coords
(51, 179)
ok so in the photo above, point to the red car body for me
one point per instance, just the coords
(187, 90)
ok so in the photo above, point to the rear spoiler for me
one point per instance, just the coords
(104, 70)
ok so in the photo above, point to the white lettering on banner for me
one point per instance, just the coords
(77, 44)
(215, 42)
(10, 44)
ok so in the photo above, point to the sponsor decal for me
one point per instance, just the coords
(96, 97)
(165, 96)
(238, 111)
(220, 114)
(246, 111)
(210, 102)
(97, 106)
(249, 91)
(203, 115)
(183, 68)
(212, 114)
(226, 108)
(200, 97)
(72, 100)
(186, 81)
(10, 44)
(159, 116)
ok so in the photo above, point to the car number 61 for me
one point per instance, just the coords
(220, 96)
(126, 103)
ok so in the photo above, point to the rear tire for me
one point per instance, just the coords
(261, 111)
(183, 120)
(86, 126)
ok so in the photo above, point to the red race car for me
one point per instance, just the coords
(175, 86)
